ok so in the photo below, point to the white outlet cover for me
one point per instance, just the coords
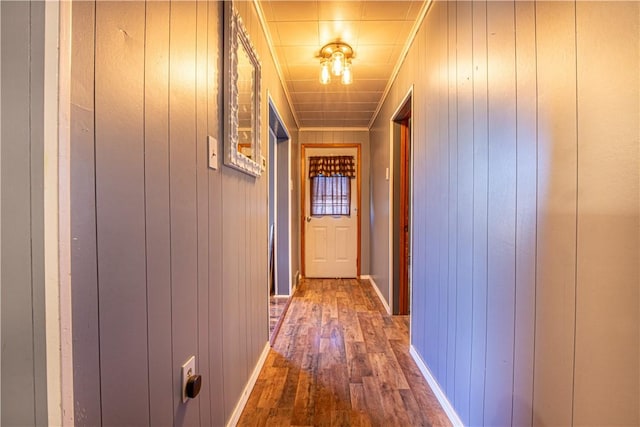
(213, 152)
(188, 369)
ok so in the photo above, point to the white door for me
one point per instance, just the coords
(331, 244)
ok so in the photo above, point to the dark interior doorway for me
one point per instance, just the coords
(401, 207)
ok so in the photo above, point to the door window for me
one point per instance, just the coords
(330, 195)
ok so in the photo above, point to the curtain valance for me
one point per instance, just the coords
(332, 166)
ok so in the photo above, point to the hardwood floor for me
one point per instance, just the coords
(340, 360)
(277, 305)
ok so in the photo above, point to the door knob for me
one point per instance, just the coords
(193, 386)
(308, 219)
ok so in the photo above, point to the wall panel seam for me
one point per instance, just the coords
(473, 203)
(30, 185)
(486, 312)
(515, 220)
(95, 203)
(575, 294)
(170, 203)
(535, 293)
(144, 183)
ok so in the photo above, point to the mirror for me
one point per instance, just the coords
(246, 78)
(242, 97)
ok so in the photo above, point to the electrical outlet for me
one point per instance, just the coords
(213, 152)
(188, 369)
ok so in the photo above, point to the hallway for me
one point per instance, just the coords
(339, 359)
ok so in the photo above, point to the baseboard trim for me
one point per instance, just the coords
(237, 411)
(377, 289)
(435, 387)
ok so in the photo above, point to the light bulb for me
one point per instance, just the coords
(347, 77)
(337, 60)
(325, 75)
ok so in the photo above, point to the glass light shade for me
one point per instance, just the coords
(325, 75)
(337, 63)
(347, 77)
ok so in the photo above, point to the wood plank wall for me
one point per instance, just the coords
(23, 288)
(526, 208)
(169, 257)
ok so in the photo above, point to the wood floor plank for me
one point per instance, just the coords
(273, 389)
(340, 360)
(374, 336)
(358, 361)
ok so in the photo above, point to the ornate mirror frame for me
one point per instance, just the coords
(235, 34)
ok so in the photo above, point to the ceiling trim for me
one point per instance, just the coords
(274, 56)
(403, 56)
(330, 129)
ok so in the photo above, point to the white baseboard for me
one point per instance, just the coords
(237, 411)
(375, 288)
(435, 387)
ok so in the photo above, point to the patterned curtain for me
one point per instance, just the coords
(332, 166)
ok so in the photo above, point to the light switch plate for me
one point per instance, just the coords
(188, 369)
(213, 152)
(386, 174)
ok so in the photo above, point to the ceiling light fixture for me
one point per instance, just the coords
(335, 58)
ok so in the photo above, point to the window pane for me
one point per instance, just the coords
(330, 195)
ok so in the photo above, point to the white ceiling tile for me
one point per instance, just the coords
(385, 10)
(334, 114)
(372, 71)
(304, 71)
(295, 10)
(310, 106)
(340, 10)
(311, 115)
(346, 123)
(312, 123)
(361, 85)
(310, 85)
(380, 32)
(344, 96)
(297, 33)
(342, 107)
(298, 55)
(346, 31)
(373, 54)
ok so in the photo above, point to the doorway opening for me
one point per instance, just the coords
(400, 189)
(330, 210)
(280, 276)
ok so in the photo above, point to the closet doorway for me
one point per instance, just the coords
(280, 281)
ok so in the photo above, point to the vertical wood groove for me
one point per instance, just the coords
(144, 197)
(575, 301)
(95, 204)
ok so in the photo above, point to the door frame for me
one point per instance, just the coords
(303, 195)
(273, 166)
(397, 116)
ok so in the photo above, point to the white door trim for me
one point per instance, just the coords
(392, 120)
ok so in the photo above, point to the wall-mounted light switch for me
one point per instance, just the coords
(213, 152)
(386, 174)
